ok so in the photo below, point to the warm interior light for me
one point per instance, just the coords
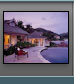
(6, 39)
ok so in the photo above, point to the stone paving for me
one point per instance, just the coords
(34, 56)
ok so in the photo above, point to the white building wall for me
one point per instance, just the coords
(47, 43)
(13, 39)
(25, 38)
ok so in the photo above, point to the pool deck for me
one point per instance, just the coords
(34, 56)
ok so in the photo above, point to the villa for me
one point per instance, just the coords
(37, 38)
(12, 33)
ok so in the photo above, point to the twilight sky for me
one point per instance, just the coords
(54, 21)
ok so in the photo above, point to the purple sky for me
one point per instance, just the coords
(54, 21)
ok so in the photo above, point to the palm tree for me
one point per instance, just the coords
(29, 28)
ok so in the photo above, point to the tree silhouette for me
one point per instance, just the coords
(29, 28)
(20, 24)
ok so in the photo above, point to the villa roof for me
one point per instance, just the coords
(13, 29)
(36, 34)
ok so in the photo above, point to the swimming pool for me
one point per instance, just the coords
(56, 54)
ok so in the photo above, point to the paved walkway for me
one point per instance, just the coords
(34, 57)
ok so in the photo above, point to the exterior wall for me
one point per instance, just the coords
(47, 43)
(41, 41)
(25, 38)
(13, 39)
(29, 40)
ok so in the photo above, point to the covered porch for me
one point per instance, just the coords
(12, 39)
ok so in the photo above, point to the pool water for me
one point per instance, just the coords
(56, 55)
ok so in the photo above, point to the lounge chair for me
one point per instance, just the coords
(20, 52)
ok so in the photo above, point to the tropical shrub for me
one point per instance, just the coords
(52, 44)
(6, 52)
(47, 46)
(19, 44)
(9, 51)
(33, 45)
(24, 45)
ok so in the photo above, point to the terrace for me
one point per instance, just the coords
(33, 53)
